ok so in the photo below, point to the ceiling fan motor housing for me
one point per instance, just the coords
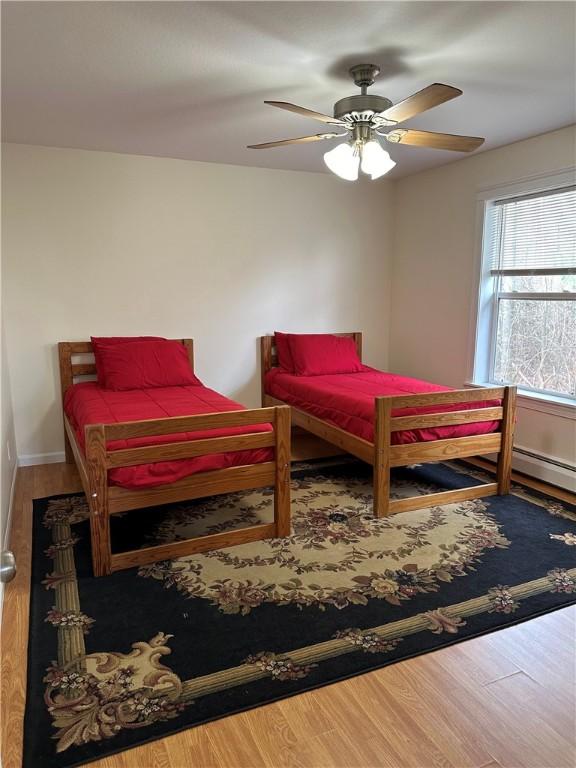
(355, 108)
(363, 107)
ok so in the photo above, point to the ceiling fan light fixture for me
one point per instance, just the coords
(343, 161)
(375, 160)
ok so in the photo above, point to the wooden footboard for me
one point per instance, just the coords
(383, 455)
(387, 455)
(105, 500)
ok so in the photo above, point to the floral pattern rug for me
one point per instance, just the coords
(128, 658)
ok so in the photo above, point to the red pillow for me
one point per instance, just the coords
(99, 342)
(146, 364)
(316, 354)
(283, 351)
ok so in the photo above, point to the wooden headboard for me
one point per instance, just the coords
(269, 357)
(72, 369)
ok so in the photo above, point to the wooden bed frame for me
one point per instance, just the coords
(105, 500)
(382, 455)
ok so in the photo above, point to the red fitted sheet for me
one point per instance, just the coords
(87, 403)
(347, 401)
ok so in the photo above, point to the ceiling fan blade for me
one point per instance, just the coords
(301, 140)
(305, 112)
(435, 140)
(429, 97)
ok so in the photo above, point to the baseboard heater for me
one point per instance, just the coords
(549, 469)
(546, 459)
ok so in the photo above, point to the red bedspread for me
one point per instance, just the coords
(87, 403)
(347, 401)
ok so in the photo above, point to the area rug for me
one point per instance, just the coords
(124, 659)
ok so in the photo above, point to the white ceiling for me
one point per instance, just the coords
(188, 79)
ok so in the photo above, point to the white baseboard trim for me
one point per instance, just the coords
(31, 459)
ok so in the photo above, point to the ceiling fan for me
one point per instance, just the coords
(367, 116)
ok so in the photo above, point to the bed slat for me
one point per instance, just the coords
(443, 497)
(201, 544)
(476, 394)
(83, 369)
(79, 347)
(177, 424)
(195, 487)
(442, 419)
(440, 450)
(130, 457)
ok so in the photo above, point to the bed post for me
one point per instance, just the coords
(189, 344)
(282, 471)
(383, 407)
(98, 499)
(65, 362)
(357, 336)
(265, 363)
(504, 468)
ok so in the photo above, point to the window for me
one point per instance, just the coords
(527, 311)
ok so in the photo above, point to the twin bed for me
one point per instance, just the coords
(144, 447)
(390, 421)
(152, 445)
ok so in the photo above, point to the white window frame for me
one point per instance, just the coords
(483, 320)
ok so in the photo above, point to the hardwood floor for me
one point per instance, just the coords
(505, 700)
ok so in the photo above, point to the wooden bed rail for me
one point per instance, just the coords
(200, 422)
(451, 397)
(471, 416)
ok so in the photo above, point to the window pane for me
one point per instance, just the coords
(538, 283)
(536, 345)
(537, 231)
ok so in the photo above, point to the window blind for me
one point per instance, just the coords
(534, 234)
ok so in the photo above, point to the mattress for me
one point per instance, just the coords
(87, 403)
(346, 400)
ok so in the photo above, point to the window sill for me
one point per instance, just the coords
(534, 401)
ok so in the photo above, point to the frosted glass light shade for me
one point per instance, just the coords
(375, 160)
(343, 161)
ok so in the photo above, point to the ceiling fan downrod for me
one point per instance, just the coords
(364, 75)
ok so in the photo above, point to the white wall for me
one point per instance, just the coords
(99, 243)
(434, 262)
(108, 244)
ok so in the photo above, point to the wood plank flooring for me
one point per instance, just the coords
(505, 700)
